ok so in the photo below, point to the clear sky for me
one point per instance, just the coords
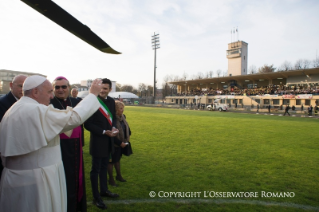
(193, 37)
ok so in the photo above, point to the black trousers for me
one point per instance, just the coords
(99, 170)
(1, 168)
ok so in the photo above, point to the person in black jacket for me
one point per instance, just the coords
(10, 98)
(15, 94)
(102, 130)
(310, 110)
(287, 110)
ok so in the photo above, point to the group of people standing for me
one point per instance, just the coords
(41, 140)
(310, 108)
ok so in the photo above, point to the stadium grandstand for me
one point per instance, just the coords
(299, 88)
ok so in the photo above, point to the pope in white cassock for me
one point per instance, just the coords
(33, 178)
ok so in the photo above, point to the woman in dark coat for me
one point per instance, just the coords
(124, 136)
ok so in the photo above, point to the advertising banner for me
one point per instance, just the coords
(225, 97)
(268, 95)
(288, 96)
(304, 96)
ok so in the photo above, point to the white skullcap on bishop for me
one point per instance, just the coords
(33, 82)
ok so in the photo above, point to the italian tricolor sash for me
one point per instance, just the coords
(105, 111)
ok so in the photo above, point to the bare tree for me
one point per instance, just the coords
(194, 77)
(166, 90)
(286, 66)
(141, 89)
(184, 76)
(150, 90)
(302, 64)
(252, 69)
(174, 78)
(266, 69)
(306, 64)
(173, 87)
(207, 74)
(118, 86)
(225, 73)
(200, 75)
(127, 88)
(218, 72)
(211, 73)
(166, 79)
(135, 91)
(315, 62)
(298, 64)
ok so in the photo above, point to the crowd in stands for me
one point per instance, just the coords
(271, 90)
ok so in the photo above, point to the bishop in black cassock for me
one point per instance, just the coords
(72, 154)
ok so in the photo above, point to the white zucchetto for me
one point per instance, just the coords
(32, 82)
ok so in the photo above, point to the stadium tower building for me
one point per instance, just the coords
(237, 55)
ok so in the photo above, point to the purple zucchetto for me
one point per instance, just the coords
(60, 77)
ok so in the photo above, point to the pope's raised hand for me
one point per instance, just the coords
(96, 87)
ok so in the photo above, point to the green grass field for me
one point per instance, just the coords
(206, 153)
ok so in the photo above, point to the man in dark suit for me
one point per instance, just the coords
(71, 149)
(74, 93)
(10, 98)
(102, 128)
(15, 94)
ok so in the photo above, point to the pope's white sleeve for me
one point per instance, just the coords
(80, 113)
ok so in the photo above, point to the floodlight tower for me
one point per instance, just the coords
(155, 45)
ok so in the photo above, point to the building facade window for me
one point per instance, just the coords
(275, 101)
(286, 101)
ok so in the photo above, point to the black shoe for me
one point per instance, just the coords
(120, 179)
(99, 203)
(109, 194)
(113, 184)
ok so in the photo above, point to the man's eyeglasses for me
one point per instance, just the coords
(57, 87)
(19, 85)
